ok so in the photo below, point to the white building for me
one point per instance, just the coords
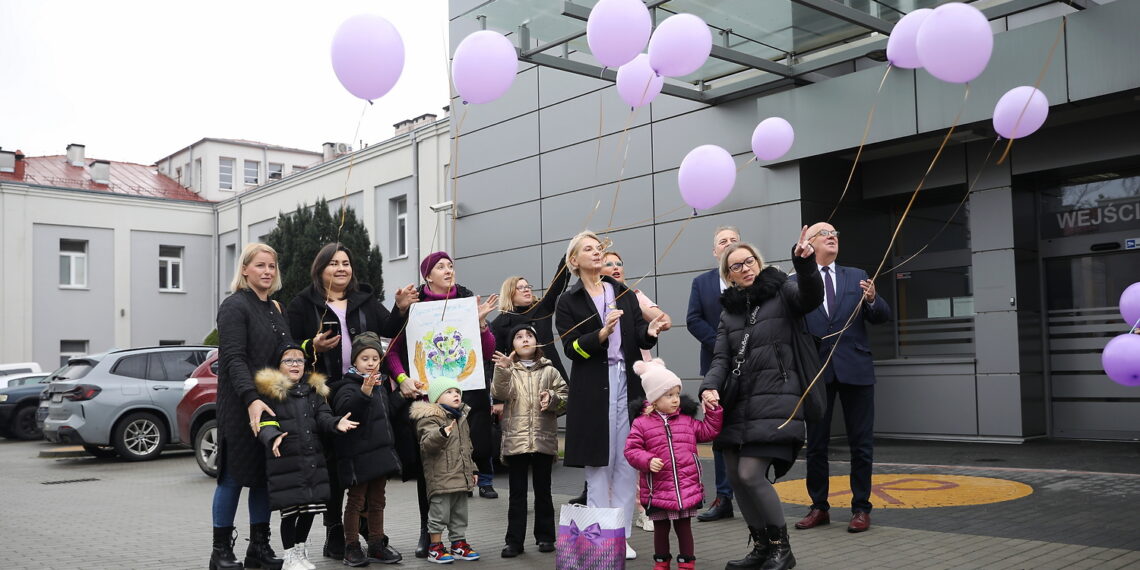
(217, 169)
(81, 239)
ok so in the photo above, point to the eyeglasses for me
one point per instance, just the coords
(614, 264)
(524, 288)
(292, 361)
(738, 267)
(826, 233)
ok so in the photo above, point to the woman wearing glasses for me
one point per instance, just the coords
(517, 306)
(602, 332)
(755, 372)
(613, 266)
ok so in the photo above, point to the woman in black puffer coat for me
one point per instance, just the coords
(756, 375)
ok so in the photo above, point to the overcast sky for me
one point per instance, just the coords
(136, 81)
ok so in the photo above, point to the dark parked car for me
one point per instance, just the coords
(197, 415)
(121, 399)
(18, 404)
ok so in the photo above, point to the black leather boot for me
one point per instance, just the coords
(260, 554)
(422, 545)
(780, 555)
(580, 499)
(754, 559)
(720, 509)
(334, 542)
(222, 556)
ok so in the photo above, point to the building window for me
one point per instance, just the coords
(73, 263)
(226, 173)
(231, 261)
(197, 174)
(400, 226)
(71, 348)
(251, 168)
(171, 343)
(276, 171)
(169, 268)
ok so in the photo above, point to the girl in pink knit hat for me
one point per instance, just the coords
(662, 446)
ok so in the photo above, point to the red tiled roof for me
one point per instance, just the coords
(126, 178)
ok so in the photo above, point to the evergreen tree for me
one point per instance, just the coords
(301, 234)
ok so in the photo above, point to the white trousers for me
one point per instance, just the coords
(615, 485)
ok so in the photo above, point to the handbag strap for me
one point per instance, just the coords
(739, 360)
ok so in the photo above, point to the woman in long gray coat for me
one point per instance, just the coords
(250, 328)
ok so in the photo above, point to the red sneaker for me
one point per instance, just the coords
(460, 550)
(438, 553)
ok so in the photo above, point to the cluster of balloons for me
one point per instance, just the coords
(954, 43)
(1121, 357)
(618, 30)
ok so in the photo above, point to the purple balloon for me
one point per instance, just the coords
(1020, 112)
(680, 45)
(1130, 304)
(954, 43)
(617, 30)
(772, 138)
(901, 51)
(367, 56)
(706, 176)
(1121, 359)
(637, 83)
(484, 67)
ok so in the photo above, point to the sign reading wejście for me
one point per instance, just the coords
(1106, 218)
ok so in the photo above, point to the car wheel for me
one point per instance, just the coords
(24, 424)
(206, 448)
(139, 436)
(100, 451)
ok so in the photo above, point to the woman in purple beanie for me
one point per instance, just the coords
(438, 272)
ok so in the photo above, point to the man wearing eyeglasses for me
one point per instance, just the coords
(850, 375)
(702, 320)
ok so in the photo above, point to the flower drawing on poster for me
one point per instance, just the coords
(444, 342)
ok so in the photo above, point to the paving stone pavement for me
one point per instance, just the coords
(156, 514)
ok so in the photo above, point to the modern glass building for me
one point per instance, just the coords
(1005, 276)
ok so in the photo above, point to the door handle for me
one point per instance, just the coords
(160, 387)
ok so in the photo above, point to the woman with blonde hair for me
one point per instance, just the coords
(518, 306)
(603, 332)
(250, 329)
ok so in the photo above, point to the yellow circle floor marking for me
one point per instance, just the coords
(913, 491)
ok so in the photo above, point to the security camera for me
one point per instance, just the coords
(442, 206)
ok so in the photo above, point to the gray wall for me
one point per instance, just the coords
(159, 315)
(90, 313)
(397, 271)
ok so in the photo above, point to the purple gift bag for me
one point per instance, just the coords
(590, 538)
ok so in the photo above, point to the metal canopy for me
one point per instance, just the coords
(758, 45)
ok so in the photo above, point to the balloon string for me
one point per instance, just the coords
(961, 203)
(894, 236)
(862, 142)
(340, 226)
(1036, 85)
(627, 140)
(455, 177)
(750, 161)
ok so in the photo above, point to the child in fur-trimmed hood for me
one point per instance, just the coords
(295, 461)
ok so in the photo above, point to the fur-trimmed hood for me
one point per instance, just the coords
(739, 300)
(688, 407)
(421, 409)
(274, 384)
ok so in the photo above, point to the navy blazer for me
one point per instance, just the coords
(703, 317)
(852, 362)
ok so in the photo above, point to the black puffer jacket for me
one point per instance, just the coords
(369, 451)
(541, 315)
(299, 476)
(769, 385)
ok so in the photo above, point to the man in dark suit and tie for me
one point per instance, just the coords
(850, 375)
(702, 320)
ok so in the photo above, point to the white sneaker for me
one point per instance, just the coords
(642, 521)
(302, 554)
(630, 553)
(291, 562)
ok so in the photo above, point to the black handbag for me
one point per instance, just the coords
(731, 386)
(806, 349)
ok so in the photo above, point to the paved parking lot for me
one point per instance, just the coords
(92, 513)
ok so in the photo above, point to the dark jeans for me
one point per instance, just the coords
(226, 496)
(538, 467)
(334, 508)
(859, 417)
(723, 487)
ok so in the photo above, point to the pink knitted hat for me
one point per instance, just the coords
(655, 378)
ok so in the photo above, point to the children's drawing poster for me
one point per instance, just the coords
(444, 341)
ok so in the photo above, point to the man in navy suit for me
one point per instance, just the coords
(850, 375)
(703, 319)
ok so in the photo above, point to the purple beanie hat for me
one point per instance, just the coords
(429, 262)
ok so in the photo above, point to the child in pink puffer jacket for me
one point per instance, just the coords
(662, 445)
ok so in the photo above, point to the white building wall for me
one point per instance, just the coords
(210, 151)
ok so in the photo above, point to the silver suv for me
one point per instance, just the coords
(121, 401)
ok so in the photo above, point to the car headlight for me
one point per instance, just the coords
(3, 397)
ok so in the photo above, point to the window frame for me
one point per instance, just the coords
(245, 172)
(168, 271)
(65, 356)
(400, 224)
(74, 258)
(223, 183)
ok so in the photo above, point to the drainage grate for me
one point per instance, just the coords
(66, 481)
